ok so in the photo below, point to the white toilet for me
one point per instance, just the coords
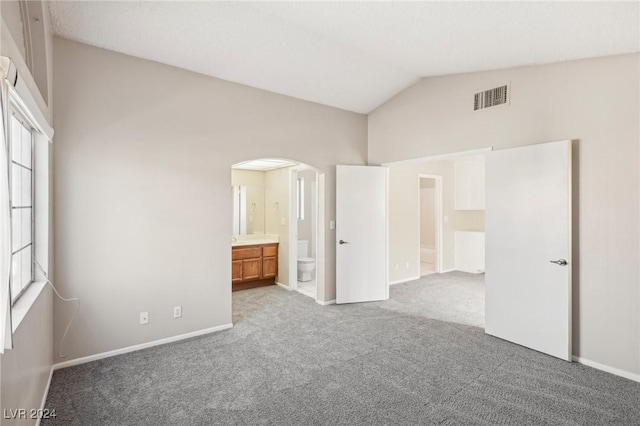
(306, 264)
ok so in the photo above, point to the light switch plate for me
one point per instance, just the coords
(332, 224)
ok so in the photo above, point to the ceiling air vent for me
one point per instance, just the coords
(491, 97)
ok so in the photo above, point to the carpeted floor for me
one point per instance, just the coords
(290, 361)
(453, 297)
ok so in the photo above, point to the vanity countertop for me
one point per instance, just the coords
(252, 242)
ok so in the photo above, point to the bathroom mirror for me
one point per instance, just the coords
(248, 209)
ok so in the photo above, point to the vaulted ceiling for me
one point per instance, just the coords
(356, 55)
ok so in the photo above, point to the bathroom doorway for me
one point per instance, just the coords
(277, 226)
(304, 230)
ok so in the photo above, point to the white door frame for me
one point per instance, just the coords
(439, 218)
(293, 231)
(318, 231)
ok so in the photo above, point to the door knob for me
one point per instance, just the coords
(343, 242)
(560, 262)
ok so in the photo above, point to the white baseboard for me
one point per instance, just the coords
(404, 280)
(85, 359)
(44, 396)
(286, 287)
(612, 370)
(448, 270)
(328, 302)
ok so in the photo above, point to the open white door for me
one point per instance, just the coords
(528, 247)
(361, 234)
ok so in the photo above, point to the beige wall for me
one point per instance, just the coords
(26, 368)
(594, 102)
(428, 217)
(143, 154)
(404, 219)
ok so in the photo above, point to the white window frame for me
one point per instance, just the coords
(23, 97)
(15, 113)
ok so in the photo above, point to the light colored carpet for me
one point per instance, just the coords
(290, 361)
(454, 297)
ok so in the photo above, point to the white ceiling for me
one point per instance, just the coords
(354, 55)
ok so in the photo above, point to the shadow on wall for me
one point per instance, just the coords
(575, 243)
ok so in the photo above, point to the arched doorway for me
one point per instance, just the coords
(278, 203)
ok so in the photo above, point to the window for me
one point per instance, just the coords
(21, 180)
(300, 203)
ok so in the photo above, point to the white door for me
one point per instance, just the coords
(361, 234)
(528, 247)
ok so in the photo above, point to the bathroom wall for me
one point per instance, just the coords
(254, 182)
(277, 196)
(247, 177)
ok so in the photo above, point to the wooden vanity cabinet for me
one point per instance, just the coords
(253, 266)
(270, 261)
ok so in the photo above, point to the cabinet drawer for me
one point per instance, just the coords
(269, 267)
(246, 253)
(270, 250)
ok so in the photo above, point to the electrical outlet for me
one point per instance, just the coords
(144, 317)
(177, 311)
(407, 265)
(283, 221)
(332, 224)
